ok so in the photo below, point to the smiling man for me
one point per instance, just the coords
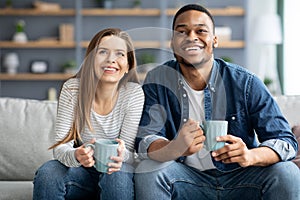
(180, 95)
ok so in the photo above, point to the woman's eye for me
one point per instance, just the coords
(120, 54)
(103, 52)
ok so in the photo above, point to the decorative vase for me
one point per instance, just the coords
(20, 37)
(108, 4)
(11, 63)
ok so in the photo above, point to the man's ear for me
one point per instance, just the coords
(171, 44)
(215, 43)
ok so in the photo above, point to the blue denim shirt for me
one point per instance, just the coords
(232, 93)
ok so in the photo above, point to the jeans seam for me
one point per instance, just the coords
(72, 183)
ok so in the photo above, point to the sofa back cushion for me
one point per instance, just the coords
(290, 107)
(26, 131)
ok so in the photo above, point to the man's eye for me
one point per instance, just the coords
(202, 31)
(180, 33)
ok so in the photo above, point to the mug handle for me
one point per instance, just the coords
(89, 145)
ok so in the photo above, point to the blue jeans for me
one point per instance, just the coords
(173, 180)
(54, 180)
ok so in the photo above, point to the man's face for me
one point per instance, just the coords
(193, 38)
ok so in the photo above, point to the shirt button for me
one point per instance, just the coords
(184, 95)
(184, 120)
(233, 118)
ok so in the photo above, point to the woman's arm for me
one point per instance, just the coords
(131, 120)
(65, 153)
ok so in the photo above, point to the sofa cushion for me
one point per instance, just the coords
(296, 131)
(26, 132)
(290, 107)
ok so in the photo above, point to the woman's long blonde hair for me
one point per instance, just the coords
(88, 83)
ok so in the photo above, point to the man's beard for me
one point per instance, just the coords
(184, 62)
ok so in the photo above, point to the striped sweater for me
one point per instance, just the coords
(121, 122)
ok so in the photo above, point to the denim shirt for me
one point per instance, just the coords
(232, 93)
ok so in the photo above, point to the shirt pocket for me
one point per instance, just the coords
(237, 124)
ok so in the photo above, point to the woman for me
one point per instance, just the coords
(104, 100)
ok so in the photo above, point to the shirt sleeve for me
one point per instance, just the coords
(131, 120)
(65, 153)
(272, 128)
(282, 148)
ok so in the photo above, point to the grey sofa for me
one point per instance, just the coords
(27, 130)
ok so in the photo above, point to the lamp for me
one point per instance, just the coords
(268, 34)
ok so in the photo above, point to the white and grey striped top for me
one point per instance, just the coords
(122, 122)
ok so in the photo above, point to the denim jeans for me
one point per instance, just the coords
(54, 180)
(174, 180)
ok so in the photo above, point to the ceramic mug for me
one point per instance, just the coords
(213, 129)
(103, 150)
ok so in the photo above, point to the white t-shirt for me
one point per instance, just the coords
(202, 159)
(122, 122)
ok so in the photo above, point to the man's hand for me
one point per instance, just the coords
(190, 138)
(188, 141)
(236, 151)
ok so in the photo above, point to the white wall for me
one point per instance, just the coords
(291, 47)
(254, 51)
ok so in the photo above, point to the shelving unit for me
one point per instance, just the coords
(36, 12)
(35, 77)
(78, 14)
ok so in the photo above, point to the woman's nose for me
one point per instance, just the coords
(111, 57)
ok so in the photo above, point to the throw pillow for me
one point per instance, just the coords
(296, 131)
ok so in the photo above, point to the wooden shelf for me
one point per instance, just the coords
(233, 44)
(156, 44)
(34, 77)
(120, 12)
(227, 11)
(36, 12)
(37, 44)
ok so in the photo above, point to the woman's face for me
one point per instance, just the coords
(111, 62)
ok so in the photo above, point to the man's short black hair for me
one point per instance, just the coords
(192, 7)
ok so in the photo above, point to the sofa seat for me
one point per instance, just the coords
(26, 132)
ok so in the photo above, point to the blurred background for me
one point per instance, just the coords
(42, 43)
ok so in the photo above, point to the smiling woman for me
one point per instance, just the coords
(103, 100)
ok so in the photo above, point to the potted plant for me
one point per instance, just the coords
(136, 3)
(8, 4)
(69, 67)
(107, 4)
(20, 35)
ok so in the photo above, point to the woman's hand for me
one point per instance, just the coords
(84, 155)
(116, 166)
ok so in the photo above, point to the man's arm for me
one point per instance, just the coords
(189, 140)
(237, 152)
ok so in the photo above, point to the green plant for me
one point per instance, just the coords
(8, 3)
(227, 59)
(268, 81)
(20, 26)
(146, 58)
(69, 66)
(136, 3)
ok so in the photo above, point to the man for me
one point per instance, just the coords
(180, 95)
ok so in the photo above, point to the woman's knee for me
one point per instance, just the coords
(49, 170)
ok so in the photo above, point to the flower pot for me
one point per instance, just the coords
(20, 37)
